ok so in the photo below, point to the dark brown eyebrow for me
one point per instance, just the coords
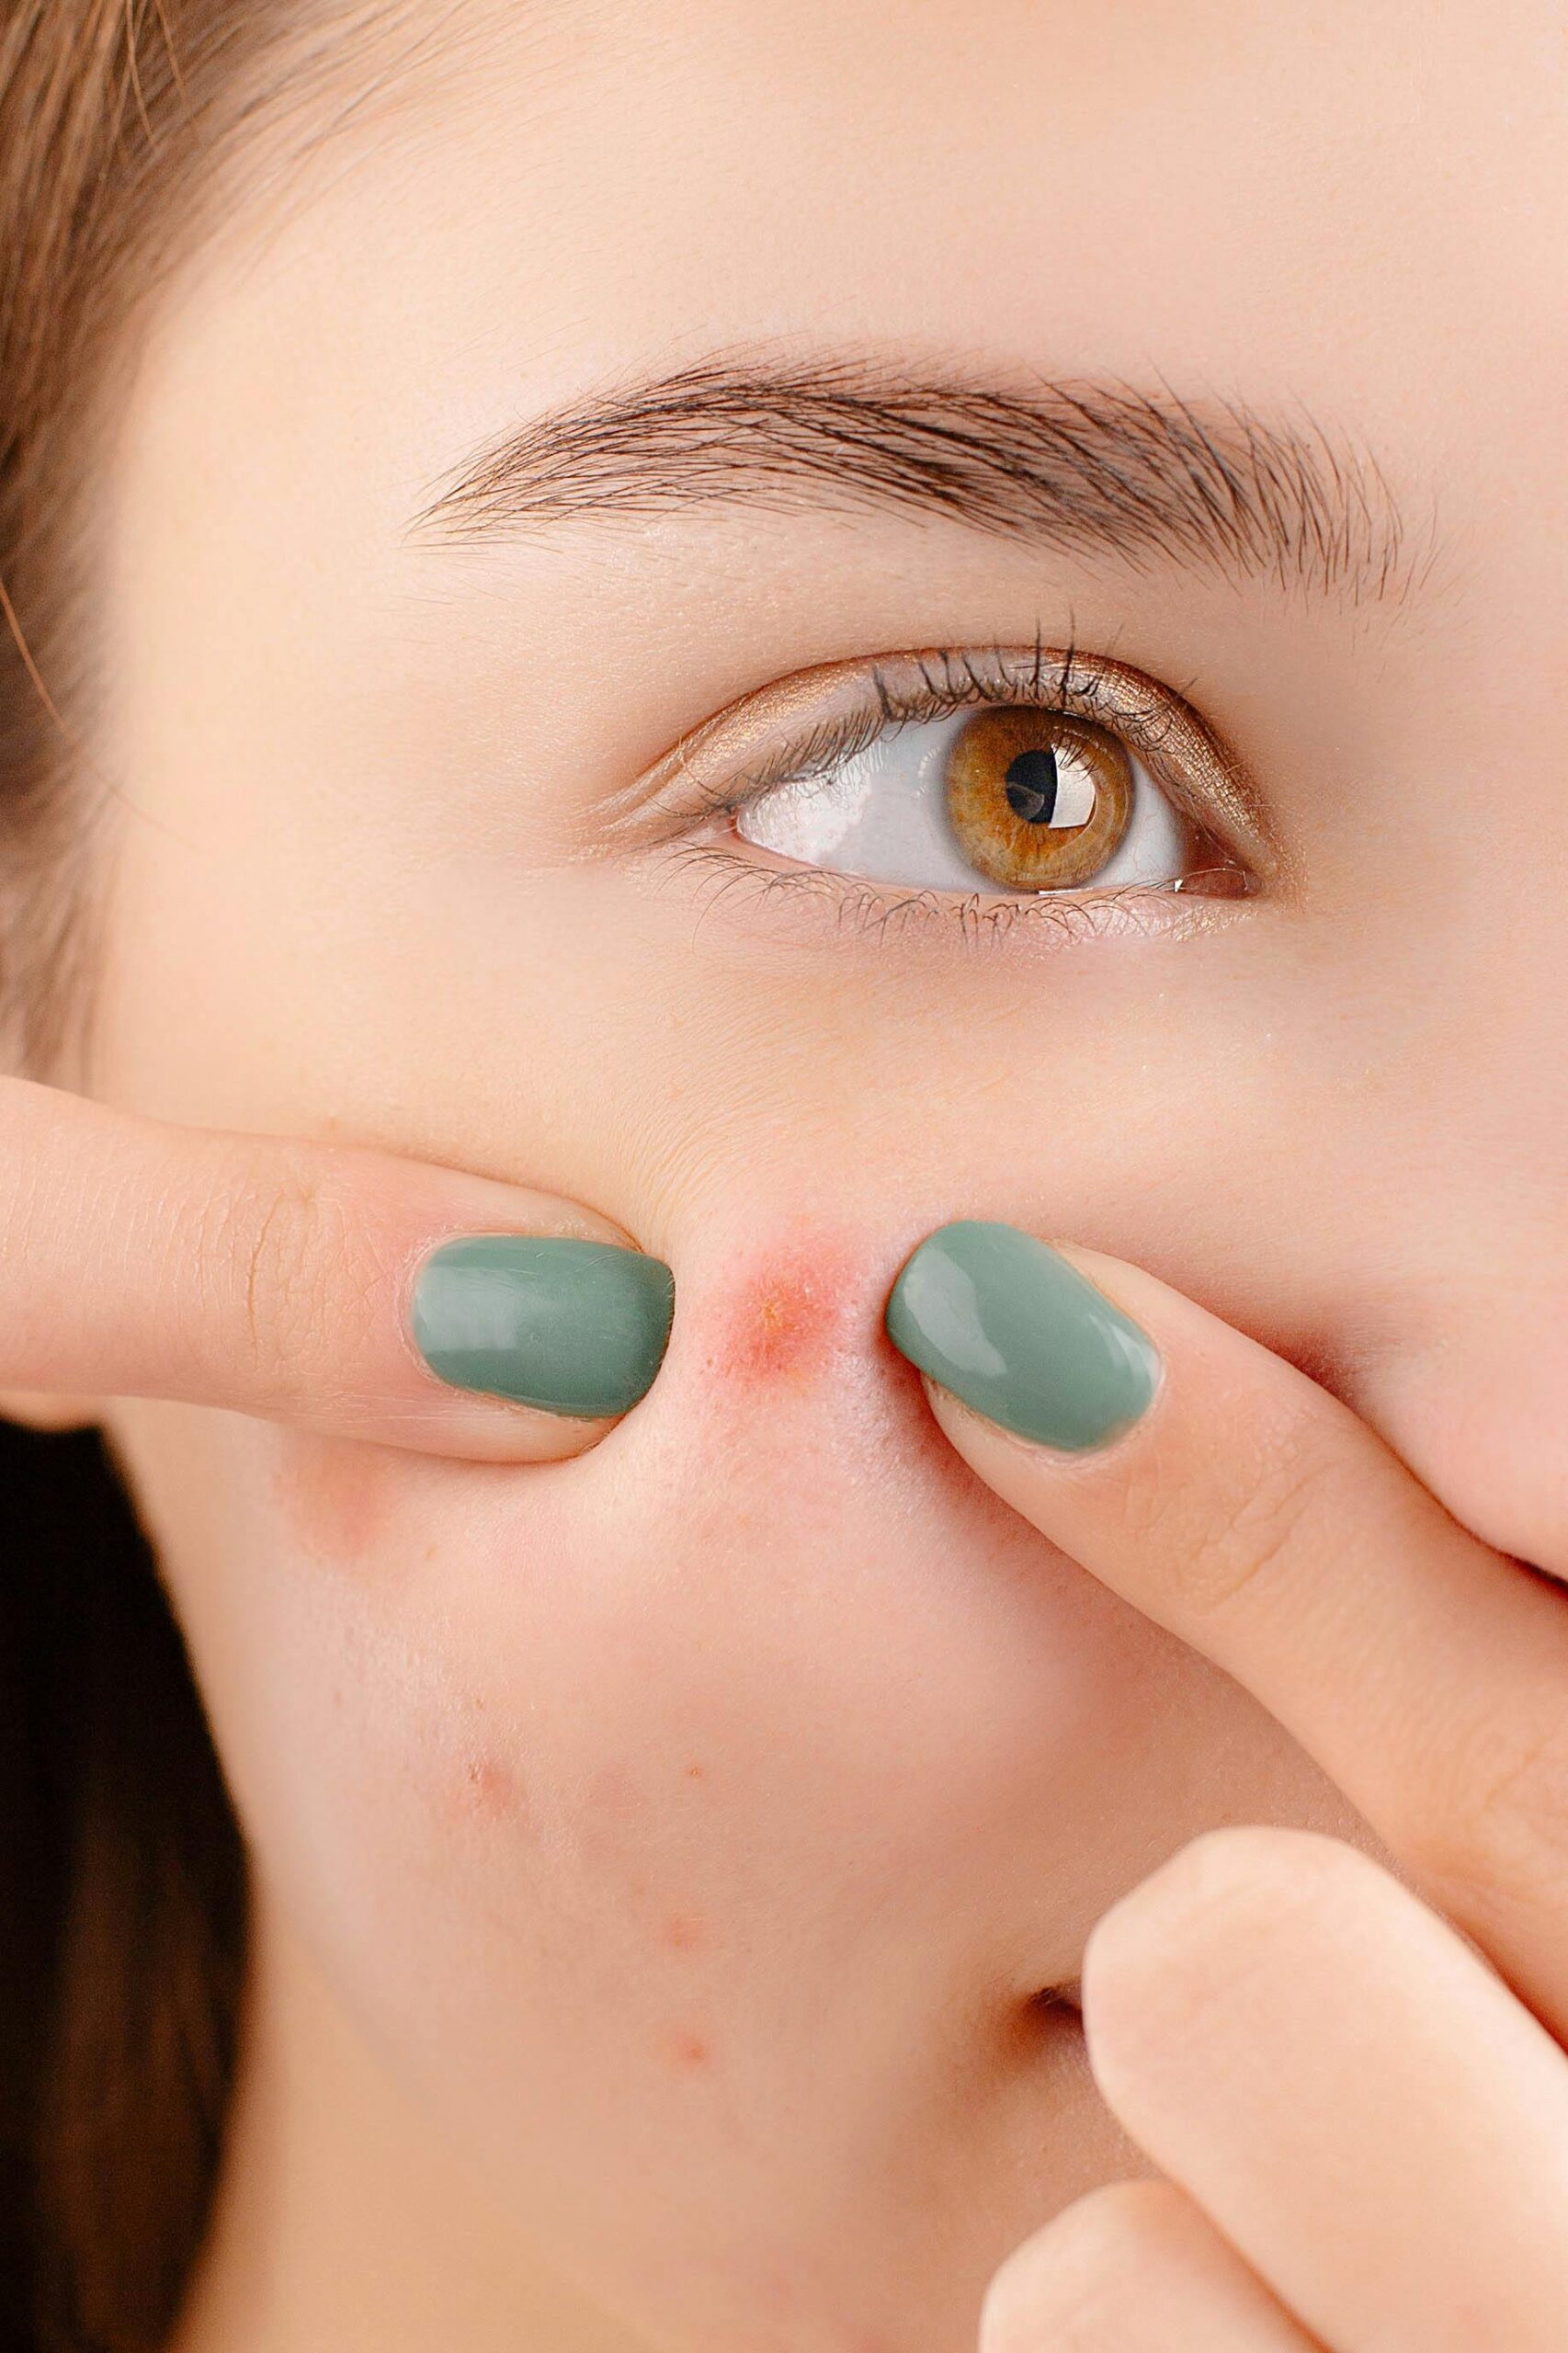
(1088, 465)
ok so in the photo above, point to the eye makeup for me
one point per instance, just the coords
(1067, 719)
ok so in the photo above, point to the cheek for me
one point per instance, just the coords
(452, 1680)
(619, 1799)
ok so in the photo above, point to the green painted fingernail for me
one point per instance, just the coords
(577, 1327)
(1013, 1329)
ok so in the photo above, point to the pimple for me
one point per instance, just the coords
(785, 1314)
(487, 1790)
(334, 1494)
(687, 2049)
(681, 1932)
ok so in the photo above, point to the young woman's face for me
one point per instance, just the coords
(678, 1835)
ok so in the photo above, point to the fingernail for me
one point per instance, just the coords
(577, 1327)
(1013, 1329)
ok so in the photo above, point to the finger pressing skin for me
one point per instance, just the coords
(335, 1285)
(1235, 1502)
(1134, 2267)
(1355, 2099)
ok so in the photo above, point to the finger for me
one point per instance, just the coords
(348, 1288)
(1261, 1520)
(1356, 2100)
(1132, 2268)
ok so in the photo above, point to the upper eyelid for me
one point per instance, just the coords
(1184, 757)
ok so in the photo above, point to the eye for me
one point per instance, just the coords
(1026, 800)
(987, 786)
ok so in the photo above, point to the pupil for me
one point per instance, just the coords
(1031, 787)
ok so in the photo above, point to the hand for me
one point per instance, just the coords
(1360, 2108)
(277, 1277)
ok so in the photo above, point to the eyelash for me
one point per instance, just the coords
(1055, 684)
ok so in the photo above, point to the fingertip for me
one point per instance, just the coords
(38, 1410)
(528, 1434)
(557, 1326)
(473, 1428)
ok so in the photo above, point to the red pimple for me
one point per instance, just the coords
(687, 2049)
(785, 1314)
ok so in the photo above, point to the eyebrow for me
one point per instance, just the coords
(1092, 466)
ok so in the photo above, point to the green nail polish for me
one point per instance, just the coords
(1004, 1322)
(577, 1327)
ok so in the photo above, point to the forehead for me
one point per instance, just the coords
(1262, 197)
(527, 207)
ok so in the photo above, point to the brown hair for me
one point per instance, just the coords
(122, 1867)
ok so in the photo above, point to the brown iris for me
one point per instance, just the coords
(1039, 799)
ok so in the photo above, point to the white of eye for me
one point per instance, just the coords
(882, 814)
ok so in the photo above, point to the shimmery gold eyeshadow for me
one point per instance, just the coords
(757, 735)
(1039, 799)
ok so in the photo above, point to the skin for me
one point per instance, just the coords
(658, 1848)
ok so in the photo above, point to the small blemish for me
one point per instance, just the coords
(687, 2049)
(696, 1772)
(488, 1791)
(681, 1932)
(784, 1316)
(335, 1492)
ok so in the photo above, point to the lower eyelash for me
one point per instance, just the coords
(979, 918)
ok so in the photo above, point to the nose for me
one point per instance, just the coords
(1468, 1383)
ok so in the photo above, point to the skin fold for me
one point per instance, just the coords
(658, 1852)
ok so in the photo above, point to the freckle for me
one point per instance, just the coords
(687, 2049)
(681, 1932)
(333, 1493)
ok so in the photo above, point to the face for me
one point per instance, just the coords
(679, 1835)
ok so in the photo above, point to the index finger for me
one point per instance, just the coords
(337, 1286)
(1251, 1513)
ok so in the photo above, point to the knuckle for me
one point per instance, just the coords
(1491, 1830)
(1285, 1508)
(285, 1249)
(1077, 2286)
